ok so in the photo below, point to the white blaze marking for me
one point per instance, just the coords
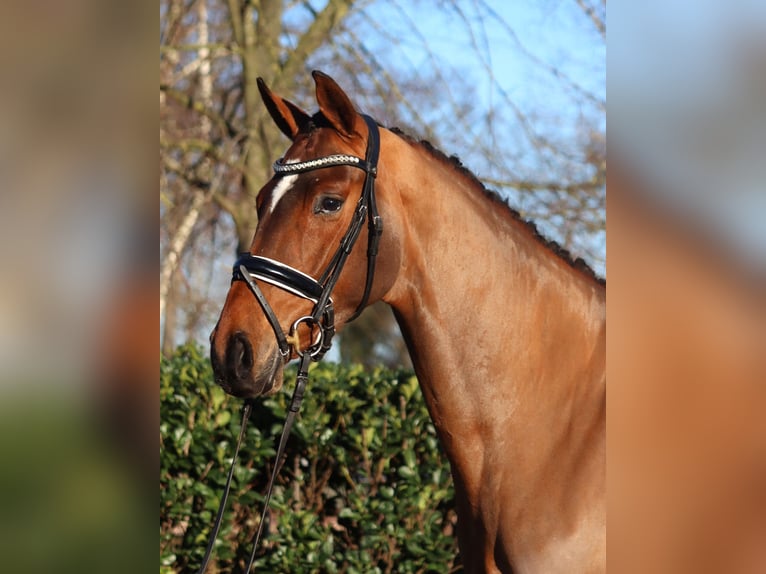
(284, 185)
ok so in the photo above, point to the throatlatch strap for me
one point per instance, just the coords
(374, 220)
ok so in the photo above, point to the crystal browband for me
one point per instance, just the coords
(281, 167)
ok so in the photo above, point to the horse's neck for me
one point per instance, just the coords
(499, 329)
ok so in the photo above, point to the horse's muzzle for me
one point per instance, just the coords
(240, 373)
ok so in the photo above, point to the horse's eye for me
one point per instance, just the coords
(328, 204)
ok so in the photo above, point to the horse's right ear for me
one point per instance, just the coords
(288, 117)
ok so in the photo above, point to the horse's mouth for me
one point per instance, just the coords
(272, 376)
(265, 381)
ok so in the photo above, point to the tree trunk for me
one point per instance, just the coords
(199, 196)
(168, 305)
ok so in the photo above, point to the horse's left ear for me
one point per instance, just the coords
(336, 106)
(288, 117)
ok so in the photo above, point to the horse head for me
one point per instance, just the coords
(319, 222)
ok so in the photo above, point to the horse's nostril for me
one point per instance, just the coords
(239, 357)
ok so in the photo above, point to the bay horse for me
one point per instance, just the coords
(506, 333)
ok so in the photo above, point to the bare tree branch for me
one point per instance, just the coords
(316, 34)
(598, 20)
(180, 237)
(189, 102)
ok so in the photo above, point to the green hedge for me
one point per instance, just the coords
(365, 487)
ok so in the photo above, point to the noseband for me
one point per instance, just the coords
(253, 268)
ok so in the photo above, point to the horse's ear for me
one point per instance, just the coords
(288, 117)
(336, 106)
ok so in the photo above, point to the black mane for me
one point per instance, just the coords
(576, 263)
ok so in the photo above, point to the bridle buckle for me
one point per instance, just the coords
(294, 340)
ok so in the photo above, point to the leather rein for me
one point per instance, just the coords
(252, 268)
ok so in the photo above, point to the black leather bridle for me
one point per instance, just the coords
(252, 268)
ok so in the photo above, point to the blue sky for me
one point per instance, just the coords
(510, 52)
(555, 33)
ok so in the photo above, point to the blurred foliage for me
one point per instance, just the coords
(365, 487)
(374, 339)
(70, 499)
